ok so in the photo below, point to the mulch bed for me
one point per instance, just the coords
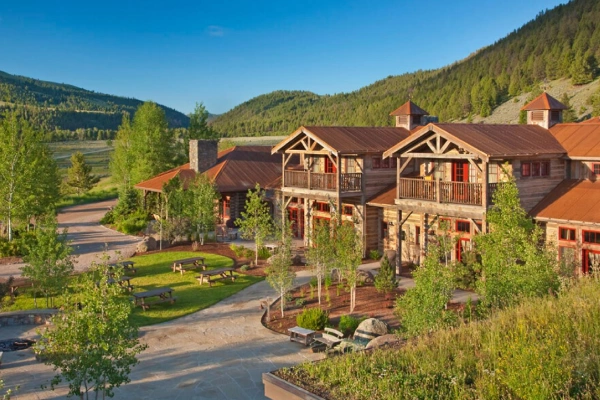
(369, 303)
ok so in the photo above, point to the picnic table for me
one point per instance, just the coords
(301, 335)
(18, 283)
(126, 265)
(124, 282)
(221, 273)
(163, 294)
(188, 263)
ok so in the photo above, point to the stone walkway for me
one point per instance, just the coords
(217, 353)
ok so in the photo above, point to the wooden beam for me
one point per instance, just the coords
(473, 163)
(316, 152)
(405, 218)
(409, 159)
(475, 227)
(431, 146)
(333, 160)
(421, 143)
(303, 142)
(437, 143)
(442, 156)
(445, 146)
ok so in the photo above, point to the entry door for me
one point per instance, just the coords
(591, 261)
(460, 171)
(297, 220)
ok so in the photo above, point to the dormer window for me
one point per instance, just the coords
(555, 116)
(416, 120)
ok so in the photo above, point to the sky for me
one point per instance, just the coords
(223, 53)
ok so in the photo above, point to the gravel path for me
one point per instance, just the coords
(87, 236)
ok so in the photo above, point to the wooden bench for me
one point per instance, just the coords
(301, 335)
(222, 273)
(18, 283)
(330, 338)
(188, 263)
(164, 294)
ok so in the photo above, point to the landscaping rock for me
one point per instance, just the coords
(335, 275)
(297, 259)
(365, 277)
(384, 340)
(147, 244)
(391, 255)
(371, 328)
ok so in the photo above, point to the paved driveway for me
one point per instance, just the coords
(217, 353)
(87, 236)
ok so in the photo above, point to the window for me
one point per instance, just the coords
(417, 235)
(226, 208)
(376, 162)
(444, 223)
(384, 230)
(493, 173)
(535, 168)
(463, 226)
(566, 234)
(596, 169)
(324, 207)
(416, 119)
(554, 116)
(591, 237)
(394, 162)
(348, 210)
(385, 163)
(350, 165)
(463, 245)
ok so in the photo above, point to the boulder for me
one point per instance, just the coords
(297, 259)
(370, 328)
(384, 340)
(365, 277)
(147, 244)
(391, 255)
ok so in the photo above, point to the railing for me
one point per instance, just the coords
(440, 191)
(460, 193)
(417, 189)
(351, 182)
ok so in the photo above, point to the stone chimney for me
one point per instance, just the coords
(544, 111)
(203, 154)
(409, 116)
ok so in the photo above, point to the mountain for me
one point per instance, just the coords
(68, 111)
(560, 43)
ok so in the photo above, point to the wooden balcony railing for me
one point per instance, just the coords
(351, 182)
(442, 191)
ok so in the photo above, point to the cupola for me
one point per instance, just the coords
(544, 111)
(409, 115)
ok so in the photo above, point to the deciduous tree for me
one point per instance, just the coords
(320, 253)
(348, 255)
(256, 222)
(279, 273)
(200, 205)
(92, 343)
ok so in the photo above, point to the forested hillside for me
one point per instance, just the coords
(68, 112)
(560, 43)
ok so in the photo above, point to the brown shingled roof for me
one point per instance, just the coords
(409, 108)
(387, 197)
(571, 200)
(579, 140)
(349, 139)
(238, 169)
(544, 102)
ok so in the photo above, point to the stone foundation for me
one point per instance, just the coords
(29, 317)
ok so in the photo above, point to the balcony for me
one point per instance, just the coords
(441, 191)
(351, 182)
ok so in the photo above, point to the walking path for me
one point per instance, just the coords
(88, 238)
(217, 353)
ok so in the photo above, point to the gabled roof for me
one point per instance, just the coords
(593, 120)
(579, 140)
(237, 169)
(409, 108)
(491, 140)
(571, 200)
(544, 102)
(387, 197)
(348, 139)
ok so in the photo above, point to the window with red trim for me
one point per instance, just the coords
(535, 169)
(526, 169)
(567, 234)
(321, 206)
(376, 162)
(385, 163)
(462, 246)
(394, 162)
(348, 210)
(545, 168)
(417, 234)
(596, 169)
(329, 166)
(463, 226)
(591, 237)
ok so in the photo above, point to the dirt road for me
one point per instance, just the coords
(88, 238)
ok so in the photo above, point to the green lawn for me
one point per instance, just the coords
(153, 271)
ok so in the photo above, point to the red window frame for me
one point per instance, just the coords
(587, 237)
(376, 163)
(322, 206)
(417, 234)
(567, 234)
(596, 169)
(525, 169)
(226, 207)
(459, 252)
(463, 226)
(393, 162)
(329, 166)
(545, 168)
(535, 168)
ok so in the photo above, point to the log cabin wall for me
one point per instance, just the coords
(534, 188)
(372, 228)
(571, 250)
(377, 179)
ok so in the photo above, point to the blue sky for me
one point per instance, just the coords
(226, 52)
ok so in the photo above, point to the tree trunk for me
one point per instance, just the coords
(256, 262)
(282, 301)
(319, 278)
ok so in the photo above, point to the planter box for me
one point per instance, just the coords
(279, 389)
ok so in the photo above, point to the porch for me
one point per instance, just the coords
(349, 182)
(439, 191)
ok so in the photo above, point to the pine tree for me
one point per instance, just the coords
(385, 281)
(79, 175)
(569, 113)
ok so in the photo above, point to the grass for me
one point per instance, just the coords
(153, 271)
(96, 153)
(104, 190)
(548, 348)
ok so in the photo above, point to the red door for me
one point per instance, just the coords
(329, 166)
(460, 171)
(591, 261)
(297, 220)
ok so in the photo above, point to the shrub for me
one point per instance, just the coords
(385, 281)
(263, 253)
(133, 224)
(238, 250)
(300, 302)
(466, 274)
(312, 318)
(348, 324)
(374, 255)
(244, 268)
(248, 253)
(109, 218)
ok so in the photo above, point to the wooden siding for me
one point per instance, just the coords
(533, 189)
(372, 229)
